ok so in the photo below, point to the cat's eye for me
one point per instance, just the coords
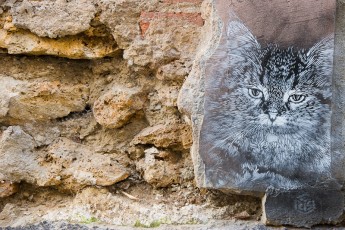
(255, 93)
(297, 98)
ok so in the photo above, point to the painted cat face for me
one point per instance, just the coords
(266, 110)
(286, 91)
(283, 90)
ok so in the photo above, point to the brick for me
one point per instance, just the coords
(144, 26)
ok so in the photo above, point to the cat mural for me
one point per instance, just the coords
(267, 114)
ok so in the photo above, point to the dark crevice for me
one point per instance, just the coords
(47, 58)
(41, 147)
(75, 115)
(3, 51)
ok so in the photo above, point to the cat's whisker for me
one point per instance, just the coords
(324, 145)
(231, 136)
(239, 135)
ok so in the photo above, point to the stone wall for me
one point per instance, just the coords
(89, 91)
(90, 128)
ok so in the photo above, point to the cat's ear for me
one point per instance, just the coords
(240, 39)
(321, 55)
(242, 46)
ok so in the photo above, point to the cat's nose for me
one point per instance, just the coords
(272, 116)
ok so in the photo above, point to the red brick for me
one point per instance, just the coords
(144, 26)
(146, 17)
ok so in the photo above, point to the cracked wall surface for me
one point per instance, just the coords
(89, 118)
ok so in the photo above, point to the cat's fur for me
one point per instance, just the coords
(267, 114)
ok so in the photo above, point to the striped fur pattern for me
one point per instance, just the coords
(267, 114)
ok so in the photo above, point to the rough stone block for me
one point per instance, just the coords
(182, 1)
(114, 108)
(260, 100)
(146, 17)
(66, 164)
(64, 29)
(47, 100)
(164, 136)
(7, 188)
(70, 17)
(159, 173)
(303, 208)
(265, 115)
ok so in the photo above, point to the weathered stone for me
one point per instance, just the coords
(176, 71)
(165, 136)
(191, 95)
(43, 133)
(114, 108)
(121, 17)
(166, 95)
(66, 164)
(7, 188)
(41, 89)
(189, 18)
(31, 69)
(9, 88)
(74, 47)
(18, 163)
(47, 100)
(303, 208)
(93, 41)
(162, 105)
(53, 18)
(157, 172)
(81, 166)
(52, 99)
(338, 109)
(157, 46)
(162, 36)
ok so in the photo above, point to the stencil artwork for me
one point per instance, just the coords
(267, 114)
